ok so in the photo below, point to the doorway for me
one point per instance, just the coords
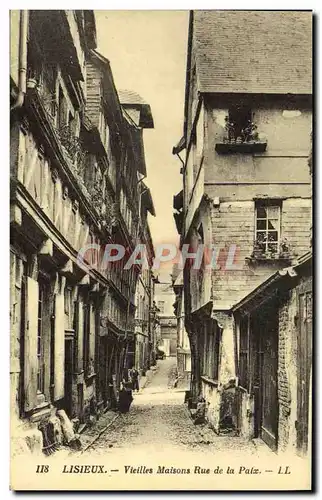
(266, 401)
(304, 363)
(68, 383)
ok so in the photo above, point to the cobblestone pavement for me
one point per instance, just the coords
(159, 422)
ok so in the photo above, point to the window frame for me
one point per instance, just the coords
(268, 205)
(163, 306)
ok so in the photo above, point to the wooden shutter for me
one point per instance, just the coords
(30, 343)
(59, 349)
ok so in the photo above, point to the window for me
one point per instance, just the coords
(268, 228)
(161, 306)
(200, 243)
(240, 118)
(71, 124)
(212, 339)
(40, 338)
(68, 308)
(62, 109)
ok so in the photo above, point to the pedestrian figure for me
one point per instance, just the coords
(134, 375)
(125, 397)
(200, 415)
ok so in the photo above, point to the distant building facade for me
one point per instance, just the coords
(165, 298)
(183, 344)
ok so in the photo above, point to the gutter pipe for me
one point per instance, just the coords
(22, 71)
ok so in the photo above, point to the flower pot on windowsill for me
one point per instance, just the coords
(271, 256)
(257, 255)
(285, 256)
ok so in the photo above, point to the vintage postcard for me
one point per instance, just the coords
(161, 250)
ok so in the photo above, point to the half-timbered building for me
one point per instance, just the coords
(74, 188)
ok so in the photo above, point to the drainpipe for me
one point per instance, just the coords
(22, 76)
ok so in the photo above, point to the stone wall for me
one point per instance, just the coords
(287, 373)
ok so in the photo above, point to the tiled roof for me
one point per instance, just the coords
(130, 97)
(253, 51)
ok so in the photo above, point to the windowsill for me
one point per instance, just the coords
(250, 147)
(209, 381)
(266, 258)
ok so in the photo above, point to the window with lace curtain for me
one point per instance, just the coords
(268, 227)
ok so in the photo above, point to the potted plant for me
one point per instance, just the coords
(230, 129)
(257, 250)
(249, 132)
(285, 250)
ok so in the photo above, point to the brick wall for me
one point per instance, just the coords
(233, 223)
(287, 372)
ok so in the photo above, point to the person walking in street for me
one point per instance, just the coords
(134, 374)
(125, 396)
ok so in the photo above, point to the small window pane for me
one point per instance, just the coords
(261, 237)
(273, 224)
(261, 213)
(261, 224)
(273, 212)
(272, 236)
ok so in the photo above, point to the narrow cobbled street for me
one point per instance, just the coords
(157, 446)
(159, 420)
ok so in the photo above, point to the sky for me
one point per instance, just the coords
(147, 53)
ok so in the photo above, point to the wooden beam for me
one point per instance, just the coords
(15, 215)
(84, 281)
(67, 269)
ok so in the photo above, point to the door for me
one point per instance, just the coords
(103, 367)
(304, 363)
(267, 364)
(68, 385)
